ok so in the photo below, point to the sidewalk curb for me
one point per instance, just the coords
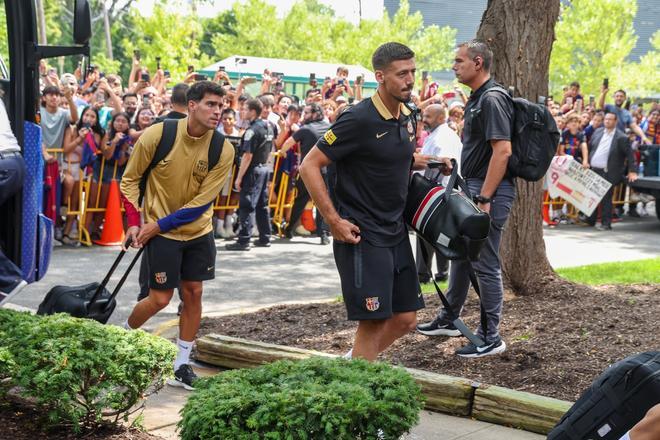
(446, 394)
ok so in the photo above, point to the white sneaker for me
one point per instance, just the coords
(5, 297)
(300, 230)
(229, 226)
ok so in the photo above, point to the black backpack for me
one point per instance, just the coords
(165, 146)
(534, 138)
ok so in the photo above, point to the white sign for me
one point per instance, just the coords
(579, 186)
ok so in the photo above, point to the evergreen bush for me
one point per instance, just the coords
(82, 372)
(315, 399)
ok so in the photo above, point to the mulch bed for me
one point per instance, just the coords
(23, 423)
(558, 341)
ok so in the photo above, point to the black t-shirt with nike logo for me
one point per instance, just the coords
(373, 152)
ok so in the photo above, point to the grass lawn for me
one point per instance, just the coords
(629, 272)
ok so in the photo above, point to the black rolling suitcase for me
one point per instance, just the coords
(92, 301)
(615, 402)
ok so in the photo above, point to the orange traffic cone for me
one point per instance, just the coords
(113, 228)
(546, 210)
(307, 220)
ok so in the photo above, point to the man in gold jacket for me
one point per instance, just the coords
(178, 204)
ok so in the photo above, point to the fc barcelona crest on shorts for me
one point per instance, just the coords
(161, 277)
(372, 303)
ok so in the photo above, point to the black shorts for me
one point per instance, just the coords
(166, 262)
(377, 281)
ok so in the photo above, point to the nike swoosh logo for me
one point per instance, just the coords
(484, 348)
(380, 135)
(210, 268)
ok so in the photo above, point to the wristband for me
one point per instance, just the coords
(481, 199)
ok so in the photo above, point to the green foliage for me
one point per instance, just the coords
(317, 398)
(593, 40)
(641, 79)
(4, 48)
(81, 371)
(311, 32)
(170, 36)
(629, 272)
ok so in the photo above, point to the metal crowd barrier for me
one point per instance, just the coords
(620, 196)
(279, 201)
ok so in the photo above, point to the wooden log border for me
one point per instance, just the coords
(446, 394)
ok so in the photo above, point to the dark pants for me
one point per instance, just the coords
(254, 198)
(605, 203)
(299, 206)
(12, 173)
(488, 269)
(424, 260)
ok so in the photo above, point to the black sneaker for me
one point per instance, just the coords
(438, 327)
(472, 351)
(258, 243)
(604, 227)
(288, 233)
(325, 239)
(184, 377)
(237, 246)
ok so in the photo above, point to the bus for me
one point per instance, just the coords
(25, 233)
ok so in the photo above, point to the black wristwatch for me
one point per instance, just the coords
(481, 199)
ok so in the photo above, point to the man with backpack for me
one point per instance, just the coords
(487, 136)
(178, 167)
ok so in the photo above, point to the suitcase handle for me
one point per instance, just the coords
(104, 283)
(123, 278)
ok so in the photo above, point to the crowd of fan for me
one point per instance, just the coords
(578, 119)
(91, 120)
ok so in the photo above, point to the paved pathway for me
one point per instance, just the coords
(301, 270)
(162, 413)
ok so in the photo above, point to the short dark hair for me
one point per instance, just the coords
(51, 90)
(267, 100)
(316, 110)
(179, 94)
(229, 111)
(388, 52)
(479, 48)
(293, 108)
(197, 91)
(622, 91)
(575, 84)
(256, 105)
(129, 95)
(611, 113)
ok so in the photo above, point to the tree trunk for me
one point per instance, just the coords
(41, 20)
(106, 28)
(521, 33)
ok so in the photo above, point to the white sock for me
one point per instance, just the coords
(349, 354)
(183, 357)
(127, 326)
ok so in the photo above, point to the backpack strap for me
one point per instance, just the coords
(162, 150)
(215, 149)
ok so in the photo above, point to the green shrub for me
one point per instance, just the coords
(81, 371)
(316, 399)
